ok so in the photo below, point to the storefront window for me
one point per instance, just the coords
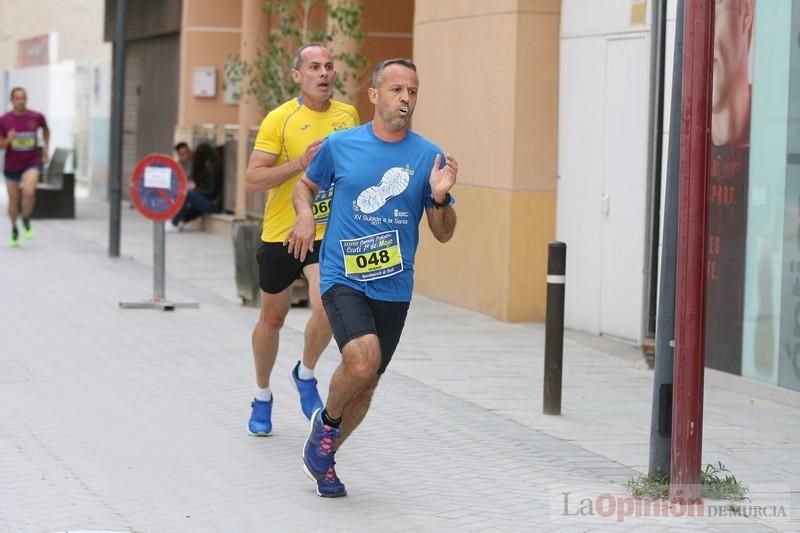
(770, 350)
(789, 352)
(762, 309)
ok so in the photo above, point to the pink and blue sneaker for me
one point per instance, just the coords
(330, 486)
(319, 448)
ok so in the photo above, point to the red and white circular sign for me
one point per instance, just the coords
(158, 187)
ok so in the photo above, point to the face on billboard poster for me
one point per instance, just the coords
(727, 182)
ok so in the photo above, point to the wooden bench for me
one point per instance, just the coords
(55, 193)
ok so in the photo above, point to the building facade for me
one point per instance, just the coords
(752, 261)
(548, 105)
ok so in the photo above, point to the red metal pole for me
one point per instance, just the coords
(687, 406)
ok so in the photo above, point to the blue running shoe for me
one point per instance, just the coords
(331, 486)
(260, 424)
(318, 450)
(309, 396)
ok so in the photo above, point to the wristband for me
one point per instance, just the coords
(447, 201)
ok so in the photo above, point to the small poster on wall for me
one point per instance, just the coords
(204, 82)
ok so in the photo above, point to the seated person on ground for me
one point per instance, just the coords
(184, 154)
(203, 190)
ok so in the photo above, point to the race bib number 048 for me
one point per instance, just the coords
(372, 257)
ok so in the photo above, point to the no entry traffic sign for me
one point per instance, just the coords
(158, 187)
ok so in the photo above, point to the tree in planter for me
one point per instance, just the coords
(267, 78)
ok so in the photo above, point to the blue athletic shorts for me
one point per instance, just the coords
(352, 314)
(16, 175)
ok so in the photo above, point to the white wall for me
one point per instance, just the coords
(78, 23)
(100, 112)
(601, 206)
(590, 17)
(580, 147)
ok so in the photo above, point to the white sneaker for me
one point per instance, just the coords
(169, 227)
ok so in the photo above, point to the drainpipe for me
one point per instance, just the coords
(661, 417)
(654, 158)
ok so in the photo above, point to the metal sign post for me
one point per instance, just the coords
(690, 277)
(159, 261)
(158, 190)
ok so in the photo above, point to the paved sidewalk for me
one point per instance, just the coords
(134, 420)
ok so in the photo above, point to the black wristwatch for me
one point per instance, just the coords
(446, 202)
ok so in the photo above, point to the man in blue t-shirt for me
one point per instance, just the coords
(384, 176)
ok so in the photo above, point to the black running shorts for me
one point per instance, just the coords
(277, 268)
(351, 315)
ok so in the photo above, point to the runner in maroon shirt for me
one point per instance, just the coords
(24, 159)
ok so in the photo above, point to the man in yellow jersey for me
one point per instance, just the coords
(287, 140)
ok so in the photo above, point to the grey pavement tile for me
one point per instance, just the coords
(134, 420)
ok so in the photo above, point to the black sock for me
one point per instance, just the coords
(26, 223)
(14, 231)
(328, 421)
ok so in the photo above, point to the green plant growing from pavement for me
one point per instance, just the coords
(267, 78)
(649, 486)
(716, 483)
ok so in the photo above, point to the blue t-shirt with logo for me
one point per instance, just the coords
(381, 190)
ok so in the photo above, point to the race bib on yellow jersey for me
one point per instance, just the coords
(322, 206)
(24, 142)
(372, 257)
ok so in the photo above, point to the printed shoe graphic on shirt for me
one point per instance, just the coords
(394, 181)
